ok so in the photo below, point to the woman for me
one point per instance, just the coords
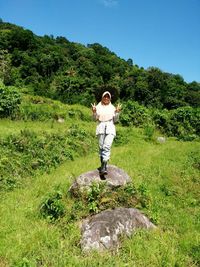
(107, 115)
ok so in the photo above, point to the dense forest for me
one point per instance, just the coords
(72, 72)
(56, 68)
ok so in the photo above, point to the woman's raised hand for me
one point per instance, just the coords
(118, 108)
(94, 109)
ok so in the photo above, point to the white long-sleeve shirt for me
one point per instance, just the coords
(106, 115)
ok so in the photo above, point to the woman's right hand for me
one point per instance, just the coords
(94, 109)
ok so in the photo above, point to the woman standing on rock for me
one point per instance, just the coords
(106, 114)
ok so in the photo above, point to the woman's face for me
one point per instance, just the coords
(106, 99)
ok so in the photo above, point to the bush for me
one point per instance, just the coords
(184, 123)
(44, 109)
(52, 207)
(149, 131)
(194, 159)
(99, 198)
(160, 118)
(134, 115)
(10, 100)
(25, 154)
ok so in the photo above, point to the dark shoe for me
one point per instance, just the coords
(102, 177)
(103, 169)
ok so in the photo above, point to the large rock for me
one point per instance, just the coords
(102, 230)
(116, 177)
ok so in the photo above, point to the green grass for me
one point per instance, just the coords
(7, 127)
(167, 175)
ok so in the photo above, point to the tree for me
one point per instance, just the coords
(21, 39)
(173, 96)
(44, 63)
(142, 93)
(67, 88)
(157, 86)
(192, 96)
(9, 100)
(5, 66)
(130, 62)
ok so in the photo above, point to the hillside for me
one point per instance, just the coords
(74, 73)
(47, 139)
(41, 158)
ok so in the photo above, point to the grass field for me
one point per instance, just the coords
(166, 174)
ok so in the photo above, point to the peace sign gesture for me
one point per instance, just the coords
(118, 108)
(94, 109)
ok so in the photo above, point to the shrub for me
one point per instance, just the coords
(52, 207)
(194, 159)
(25, 154)
(134, 114)
(184, 123)
(160, 118)
(149, 131)
(99, 197)
(44, 109)
(10, 100)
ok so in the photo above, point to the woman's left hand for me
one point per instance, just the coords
(118, 108)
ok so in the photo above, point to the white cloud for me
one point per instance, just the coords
(109, 3)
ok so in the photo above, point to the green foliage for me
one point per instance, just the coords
(165, 187)
(5, 65)
(93, 196)
(149, 131)
(26, 153)
(148, 89)
(194, 159)
(74, 73)
(166, 190)
(193, 94)
(167, 177)
(134, 114)
(99, 197)
(160, 118)
(44, 109)
(122, 137)
(24, 263)
(144, 193)
(68, 89)
(10, 100)
(52, 206)
(195, 254)
(183, 122)
(174, 95)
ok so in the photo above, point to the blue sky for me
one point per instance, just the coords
(158, 33)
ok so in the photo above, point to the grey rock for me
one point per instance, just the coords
(116, 177)
(102, 231)
(61, 120)
(161, 139)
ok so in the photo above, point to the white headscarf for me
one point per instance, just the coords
(106, 93)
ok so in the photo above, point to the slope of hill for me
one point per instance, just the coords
(74, 73)
(45, 142)
(40, 160)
